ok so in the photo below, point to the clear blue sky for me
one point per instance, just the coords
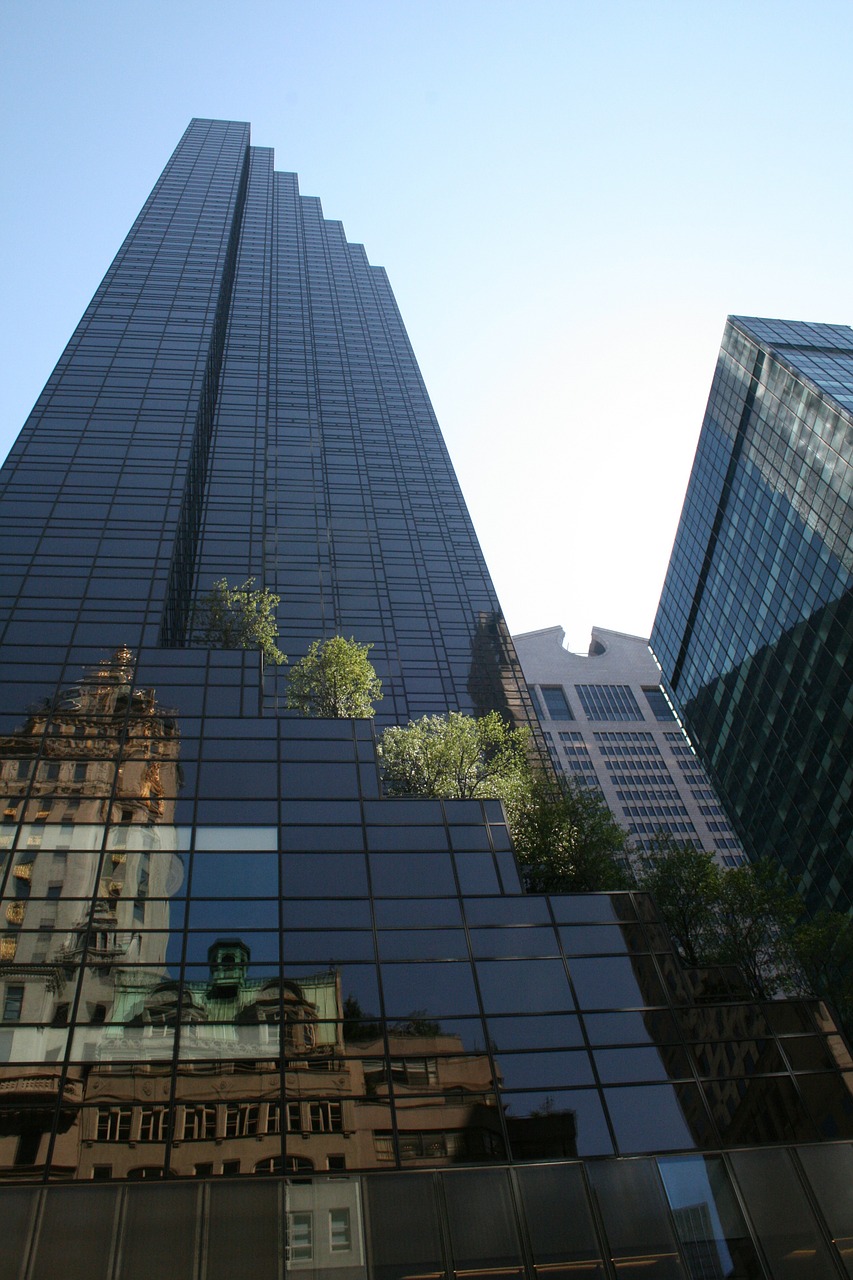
(568, 197)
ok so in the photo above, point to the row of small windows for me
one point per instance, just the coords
(216, 1121)
(655, 810)
(676, 740)
(632, 751)
(613, 702)
(729, 842)
(651, 829)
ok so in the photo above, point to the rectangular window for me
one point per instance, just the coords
(241, 1119)
(556, 703)
(413, 1145)
(299, 1237)
(325, 1117)
(113, 1124)
(294, 1118)
(608, 702)
(12, 1004)
(383, 1145)
(199, 1122)
(340, 1232)
(656, 698)
(153, 1124)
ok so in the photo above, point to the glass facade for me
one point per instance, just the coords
(754, 629)
(230, 968)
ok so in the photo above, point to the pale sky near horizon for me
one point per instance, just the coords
(569, 198)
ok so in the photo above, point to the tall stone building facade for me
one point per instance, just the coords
(609, 725)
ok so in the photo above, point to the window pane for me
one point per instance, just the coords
(482, 1222)
(556, 702)
(830, 1171)
(559, 1219)
(404, 1232)
(241, 1211)
(709, 1224)
(159, 1232)
(608, 702)
(656, 699)
(633, 1208)
(786, 1228)
(74, 1241)
(340, 1231)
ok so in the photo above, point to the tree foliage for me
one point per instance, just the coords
(685, 883)
(751, 917)
(742, 916)
(822, 953)
(454, 756)
(754, 916)
(335, 679)
(239, 618)
(565, 837)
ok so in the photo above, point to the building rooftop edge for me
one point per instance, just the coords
(560, 633)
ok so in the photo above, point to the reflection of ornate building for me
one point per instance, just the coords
(74, 913)
(103, 753)
(237, 1108)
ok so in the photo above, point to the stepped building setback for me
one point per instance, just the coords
(259, 1018)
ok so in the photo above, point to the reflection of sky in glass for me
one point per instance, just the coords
(687, 1186)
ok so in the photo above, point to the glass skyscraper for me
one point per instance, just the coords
(258, 1017)
(755, 625)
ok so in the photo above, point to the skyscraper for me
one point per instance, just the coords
(608, 725)
(754, 630)
(328, 1025)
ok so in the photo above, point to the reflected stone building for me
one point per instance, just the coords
(754, 630)
(259, 1018)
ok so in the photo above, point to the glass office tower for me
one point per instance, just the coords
(258, 1017)
(755, 625)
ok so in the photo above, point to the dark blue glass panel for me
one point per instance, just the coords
(410, 874)
(443, 990)
(315, 875)
(524, 986)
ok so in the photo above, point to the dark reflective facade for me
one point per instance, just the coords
(754, 630)
(301, 1012)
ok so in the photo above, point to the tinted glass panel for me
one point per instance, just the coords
(781, 1215)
